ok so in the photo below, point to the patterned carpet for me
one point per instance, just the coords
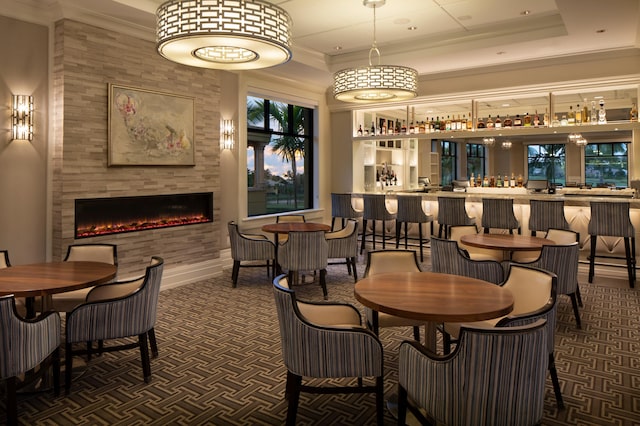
(220, 363)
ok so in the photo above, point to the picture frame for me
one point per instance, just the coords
(150, 128)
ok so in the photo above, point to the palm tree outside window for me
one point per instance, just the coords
(547, 162)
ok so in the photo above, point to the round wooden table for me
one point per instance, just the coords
(508, 243)
(45, 279)
(433, 298)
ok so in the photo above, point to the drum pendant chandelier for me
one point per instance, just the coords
(224, 34)
(375, 83)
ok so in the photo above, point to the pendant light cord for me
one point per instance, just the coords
(374, 46)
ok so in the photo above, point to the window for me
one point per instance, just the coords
(475, 160)
(449, 162)
(279, 156)
(606, 164)
(547, 162)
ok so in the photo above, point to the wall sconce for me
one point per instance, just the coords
(22, 117)
(226, 134)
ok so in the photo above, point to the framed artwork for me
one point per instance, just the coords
(149, 128)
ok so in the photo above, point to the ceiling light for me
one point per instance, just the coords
(506, 145)
(375, 83)
(223, 34)
(488, 141)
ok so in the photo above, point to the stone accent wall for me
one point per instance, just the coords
(86, 60)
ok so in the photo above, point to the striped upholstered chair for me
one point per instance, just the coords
(495, 377)
(375, 210)
(447, 258)
(497, 213)
(410, 211)
(325, 340)
(25, 345)
(305, 251)
(343, 244)
(475, 253)
(104, 318)
(342, 208)
(452, 212)
(250, 248)
(546, 214)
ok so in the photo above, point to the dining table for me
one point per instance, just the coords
(286, 227)
(434, 298)
(508, 243)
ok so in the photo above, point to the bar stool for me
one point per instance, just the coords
(498, 213)
(342, 208)
(375, 208)
(410, 211)
(451, 212)
(547, 214)
(611, 219)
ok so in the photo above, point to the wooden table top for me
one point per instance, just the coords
(507, 242)
(286, 227)
(42, 279)
(430, 296)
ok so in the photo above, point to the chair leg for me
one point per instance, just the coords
(364, 234)
(592, 257)
(293, 386)
(333, 222)
(373, 234)
(406, 235)
(234, 272)
(355, 271)
(576, 312)
(398, 226)
(68, 366)
(380, 400)
(446, 343)
(144, 356)
(554, 380)
(420, 239)
(486, 230)
(89, 350)
(384, 236)
(12, 401)
(56, 371)
(153, 342)
(416, 333)
(579, 297)
(630, 262)
(323, 283)
(402, 405)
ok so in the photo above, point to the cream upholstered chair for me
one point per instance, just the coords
(475, 253)
(24, 345)
(375, 209)
(452, 212)
(447, 258)
(132, 312)
(558, 236)
(497, 213)
(342, 208)
(296, 218)
(305, 251)
(546, 214)
(534, 293)
(105, 253)
(384, 261)
(4, 259)
(250, 248)
(343, 244)
(495, 377)
(325, 340)
(410, 211)
(25, 306)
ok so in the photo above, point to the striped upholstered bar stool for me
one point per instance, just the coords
(341, 208)
(375, 208)
(410, 211)
(451, 212)
(498, 213)
(611, 219)
(547, 214)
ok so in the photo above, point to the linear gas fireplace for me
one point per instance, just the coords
(105, 216)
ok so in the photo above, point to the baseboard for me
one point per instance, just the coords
(187, 274)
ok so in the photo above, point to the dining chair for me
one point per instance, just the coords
(250, 248)
(375, 209)
(497, 213)
(452, 212)
(295, 218)
(343, 244)
(476, 253)
(325, 340)
(448, 258)
(384, 261)
(24, 305)
(495, 377)
(105, 253)
(558, 236)
(25, 345)
(410, 211)
(104, 318)
(305, 251)
(342, 208)
(546, 214)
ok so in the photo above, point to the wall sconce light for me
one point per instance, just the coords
(22, 117)
(227, 131)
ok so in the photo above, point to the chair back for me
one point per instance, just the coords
(498, 213)
(24, 344)
(344, 242)
(304, 251)
(546, 214)
(375, 207)
(249, 247)
(341, 206)
(447, 258)
(562, 236)
(131, 315)
(562, 260)
(495, 376)
(451, 212)
(105, 253)
(297, 218)
(610, 219)
(477, 253)
(4, 259)
(410, 209)
(384, 261)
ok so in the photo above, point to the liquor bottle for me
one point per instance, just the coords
(463, 123)
(564, 121)
(443, 124)
(489, 124)
(470, 123)
(517, 122)
(508, 122)
(519, 181)
(383, 129)
(373, 129)
(546, 117)
(485, 181)
(472, 180)
(527, 120)
(403, 129)
(594, 113)
(536, 119)
(571, 117)
(578, 115)
(360, 130)
(480, 124)
(455, 123)
(447, 124)
(422, 128)
(633, 114)
(461, 126)
(412, 128)
(555, 122)
(398, 130)
(492, 182)
(512, 181)
(478, 180)
(585, 112)
(499, 181)
(602, 113)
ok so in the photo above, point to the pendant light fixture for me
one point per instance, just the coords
(375, 83)
(224, 34)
